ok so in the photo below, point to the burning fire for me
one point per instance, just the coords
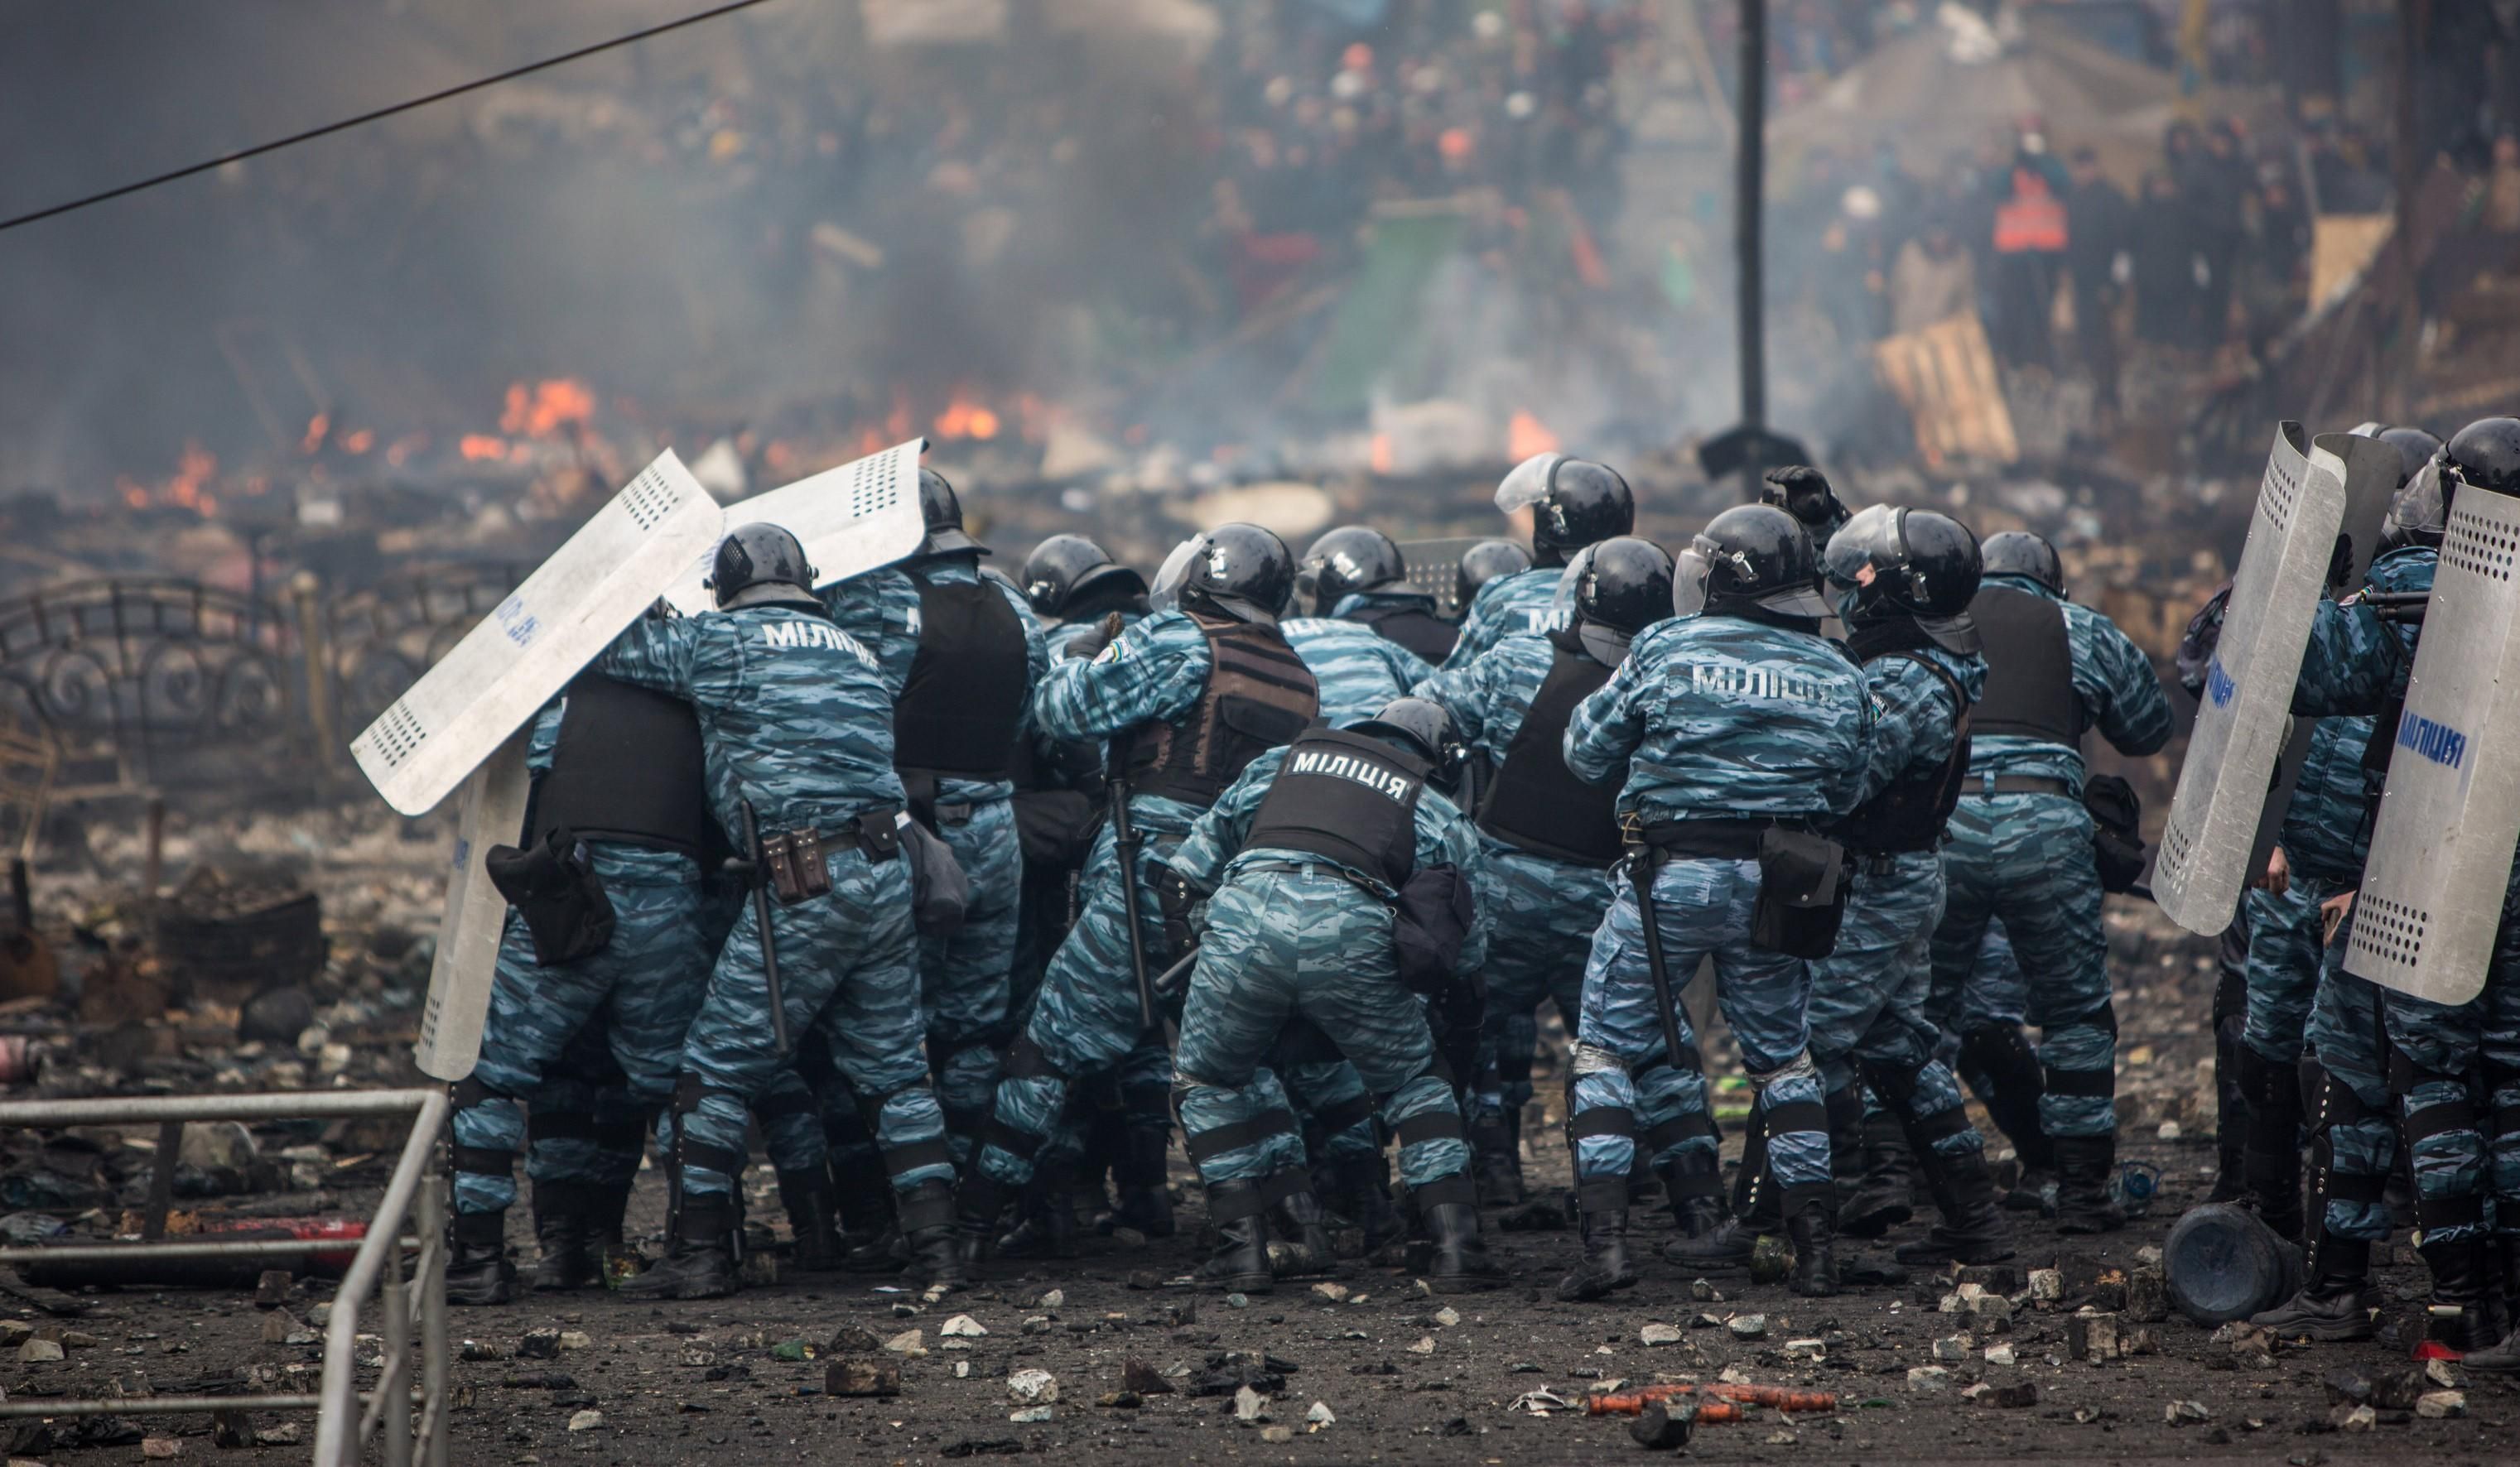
(963, 418)
(189, 488)
(544, 408)
(1526, 435)
(482, 448)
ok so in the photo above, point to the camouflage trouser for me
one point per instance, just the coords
(964, 979)
(1867, 997)
(2284, 947)
(583, 1124)
(1994, 992)
(646, 980)
(1302, 940)
(1541, 917)
(2025, 860)
(2353, 1130)
(2466, 1164)
(1625, 1089)
(850, 985)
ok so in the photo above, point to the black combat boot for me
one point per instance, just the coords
(1361, 1195)
(1240, 1263)
(700, 1254)
(1460, 1263)
(1645, 1188)
(1143, 1169)
(560, 1230)
(2232, 1107)
(2085, 1167)
(2272, 1160)
(2337, 1304)
(862, 1206)
(807, 1198)
(1810, 1219)
(1302, 1227)
(1048, 1226)
(608, 1209)
(1605, 1267)
(2002, 1066)
(1727, 1247)
(1693, 1179)
(1971, 1229)
(943, 1244)
(2460, 1315)
(477, 1271)
(1496, 1145)
(1881, 1199)
(2504, 1356)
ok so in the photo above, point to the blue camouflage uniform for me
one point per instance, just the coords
(1289, 933)
(795, 713)
(1541, 911)
(2025, 859)
(1522, 604)
(1867, 997)
(2324, 839)
(1360, 670)
(639, 993)
(1710, 718)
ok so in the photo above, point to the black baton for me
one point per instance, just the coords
(1124, 841)
(1642, 866)
(761, 920)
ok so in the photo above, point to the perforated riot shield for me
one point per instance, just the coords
(2243, 719)
(2440, 853)
(850, 520)
(2371, 470)
(1436, 569)
(492, 813)
(524, 651)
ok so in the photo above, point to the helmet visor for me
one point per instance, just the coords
(1690, 574)
(1175, 572)
(1866, 540)
(1570, 589)
(1528, 483)
(2419, 513)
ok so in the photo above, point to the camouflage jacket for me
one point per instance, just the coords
(1360, 670)
(2121, 697)
(1522, 604)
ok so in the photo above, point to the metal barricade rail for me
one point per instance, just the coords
(416, 1195)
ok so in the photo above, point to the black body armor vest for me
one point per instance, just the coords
(966, 694)
(627, 767)
(1259, 695)
(1535, 801)
(1910, 813)
(1346, 796)
(1416, 628)
(2029, 668)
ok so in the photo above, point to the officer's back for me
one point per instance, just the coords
(2055, 670)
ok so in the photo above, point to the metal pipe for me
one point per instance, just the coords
(110, 1110)
(335, 1445)
(161, 1177)
(138, 1406)
(431, 1265)
(127, 1253)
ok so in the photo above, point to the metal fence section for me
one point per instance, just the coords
(413, 1414)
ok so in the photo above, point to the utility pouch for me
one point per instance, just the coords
(554, 886)
(2117, 832)
(1802, 893)
(795, 859)
(1430, 922)
(878, 836)
(940, 894)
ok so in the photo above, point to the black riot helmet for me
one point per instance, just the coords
(1239, 570)
(2020, 553)
(2484, 454)
(760, 564)
(1351, 559)
(943, 515)
(1750, 560)
(1622, 583)
(1488, 561)
(1422, 726)
(2414, 446)
(1892, 561)
(1573, 502)
(1070, 570)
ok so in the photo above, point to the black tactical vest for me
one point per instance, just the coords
(2029, 668)
(627, 768)
(1416, 628)
(1535, 801)
(960, 709)
(1346, 796)
(1259, 695)
(1908, 812)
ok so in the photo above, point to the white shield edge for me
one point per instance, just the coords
(2431, 899)
(525, 650)
(492, 812)
(850, 520)
(2244, 717)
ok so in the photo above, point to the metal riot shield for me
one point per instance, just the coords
(564, 614)
(2243, 719)
(492, 813)
(850, 520)
(2371, 473)
(1436, 569)
(2441, 852)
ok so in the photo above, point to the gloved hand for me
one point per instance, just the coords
(1803, 492)
(1090, 645)
(1184, 905)
(939, 892)
(1458, 1018)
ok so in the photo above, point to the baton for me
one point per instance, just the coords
(1641, 873)
(761, 920)
(1171, 978)
(1124, 841)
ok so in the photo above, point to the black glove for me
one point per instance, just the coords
(1090, 645)
(1179, 898)
(1458, 1017)
(1803, 492)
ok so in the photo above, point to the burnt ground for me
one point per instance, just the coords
(704, 1382)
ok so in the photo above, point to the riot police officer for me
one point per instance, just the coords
(2021, 843)
(1187, 698)
(1549, 839)
(1739, 730)
(1307, 857)
(1356, 573)
(1573, 502)
(795, 714)
(1485, 561)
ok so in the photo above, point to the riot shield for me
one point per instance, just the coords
(2243, 719)
(1436, 569)
(492, 813)
(564, 614)
(2441, 852)
(850, 520)
(2371, 471)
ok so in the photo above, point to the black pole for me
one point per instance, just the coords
(1749, 203)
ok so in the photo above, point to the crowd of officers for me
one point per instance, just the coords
(970, 892)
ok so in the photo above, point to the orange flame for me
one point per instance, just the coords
(478, 448)
(1378, 454)
(316, 427)
(546, 407)
(965, 419)
(358, 441)
(1526, 435)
